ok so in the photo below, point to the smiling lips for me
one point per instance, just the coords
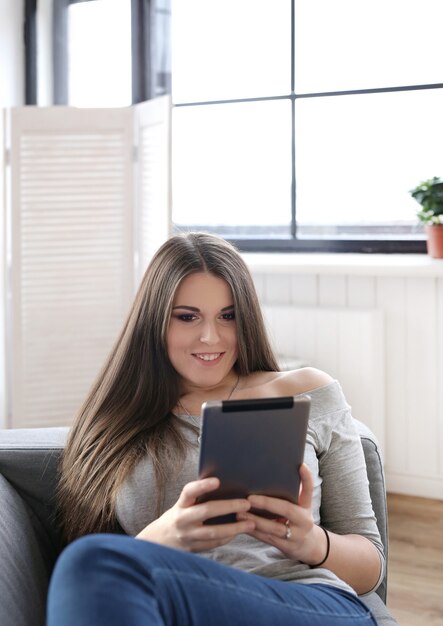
(208, 357)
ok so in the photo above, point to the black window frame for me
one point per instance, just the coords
(30, 41)
(147, 80)
(292, 244)
(143, 37)
(357, 244)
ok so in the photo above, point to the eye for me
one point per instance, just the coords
(230, 316)
(186, 317)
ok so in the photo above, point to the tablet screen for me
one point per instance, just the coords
(254, 446)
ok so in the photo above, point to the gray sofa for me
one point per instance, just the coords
(30, 543)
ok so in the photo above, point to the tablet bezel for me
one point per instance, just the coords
(270, 431)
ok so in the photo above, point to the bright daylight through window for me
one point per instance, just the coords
(99, 51)
(305, 122)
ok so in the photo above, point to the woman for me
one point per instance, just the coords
(195, 333)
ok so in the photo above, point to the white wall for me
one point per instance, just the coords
(11, 94)
(11, 53)
(407, 291)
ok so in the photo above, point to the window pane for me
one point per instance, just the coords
(354, 44)
(162, 52)
(230, 49)
(232, 166)
(99, 49)
(358, 156)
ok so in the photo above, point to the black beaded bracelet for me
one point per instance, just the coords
(328, 545)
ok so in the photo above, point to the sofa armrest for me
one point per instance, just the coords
(377, 489)
(24, 573)
(29, 539)
(29, 460)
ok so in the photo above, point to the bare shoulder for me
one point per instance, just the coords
(291, 383)
(302, 380)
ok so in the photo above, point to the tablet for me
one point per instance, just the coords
(254, 447)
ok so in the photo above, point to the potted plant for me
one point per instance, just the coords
(429, 194)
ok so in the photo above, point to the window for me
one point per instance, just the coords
(303, 124)
(297, 125)
(110, 53)
(99, 53)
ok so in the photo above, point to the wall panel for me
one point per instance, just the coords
(421, 375)
(332, 290)
(304, 289)
(391, 297)
(278, 288)
(344, 342)
(398, 392)
(361, 291)
(439, 373)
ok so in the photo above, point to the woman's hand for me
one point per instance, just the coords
(304, 541)
(183, 526)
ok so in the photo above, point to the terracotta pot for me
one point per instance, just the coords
(434, 242)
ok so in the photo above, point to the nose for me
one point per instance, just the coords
(209, 333)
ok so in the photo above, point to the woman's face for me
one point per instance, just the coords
(202, 336)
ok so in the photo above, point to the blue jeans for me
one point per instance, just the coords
(122, 581)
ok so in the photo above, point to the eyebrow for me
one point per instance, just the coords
(194, 309)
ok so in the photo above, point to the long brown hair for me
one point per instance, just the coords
(128, 412)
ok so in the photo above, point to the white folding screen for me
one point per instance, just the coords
(2, 272)
(73, 239)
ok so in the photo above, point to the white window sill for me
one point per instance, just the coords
(357, 264)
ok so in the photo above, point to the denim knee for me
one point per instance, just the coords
(85, 555)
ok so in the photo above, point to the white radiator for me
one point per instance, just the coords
(346, 343)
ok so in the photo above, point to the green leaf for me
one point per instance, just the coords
(429, 194)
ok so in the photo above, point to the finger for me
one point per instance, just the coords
(276, 506)
(271, 540)
(199, 513)
(307, 487)
(275, 528)
(209, 544)
(193, 490)
(220, 533)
